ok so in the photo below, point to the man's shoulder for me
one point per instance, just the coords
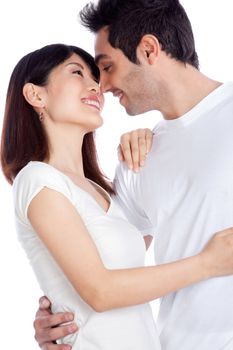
(123, 173)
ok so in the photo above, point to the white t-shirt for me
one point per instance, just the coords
(184, 194)
(120, 246)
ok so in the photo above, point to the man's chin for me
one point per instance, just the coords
(135, 111)
(132, 110)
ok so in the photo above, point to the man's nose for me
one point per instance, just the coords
(105, 86)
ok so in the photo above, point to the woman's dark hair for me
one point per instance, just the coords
(23, 136)
(129, 20)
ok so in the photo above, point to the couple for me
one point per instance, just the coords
(87, 257)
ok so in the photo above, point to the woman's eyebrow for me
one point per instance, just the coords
(75, 63)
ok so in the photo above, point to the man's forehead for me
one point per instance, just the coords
(103, 49)
(101, 56)
(101, 41)
(101, 37)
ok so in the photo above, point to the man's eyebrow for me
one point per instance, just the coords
(100, 57)
(77, 64)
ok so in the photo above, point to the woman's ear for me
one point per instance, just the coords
(33, 95)
(148, 49)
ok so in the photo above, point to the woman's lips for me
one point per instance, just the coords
(93, 102)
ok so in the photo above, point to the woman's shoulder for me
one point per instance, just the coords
(36, 170)
(36, 174)
(34, 177)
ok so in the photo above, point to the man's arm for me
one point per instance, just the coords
(50, 327)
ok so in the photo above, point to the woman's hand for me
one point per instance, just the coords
(49, 327)
(134, 147)
(217, 256)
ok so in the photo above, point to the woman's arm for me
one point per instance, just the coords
(68, 240)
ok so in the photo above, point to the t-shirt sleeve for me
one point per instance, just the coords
(128, 197)
(30, 181)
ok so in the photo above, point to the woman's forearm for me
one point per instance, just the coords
(127, 287)
(67, 239)
(135, 286)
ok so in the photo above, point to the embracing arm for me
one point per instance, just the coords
(51, 327)
(69, 242)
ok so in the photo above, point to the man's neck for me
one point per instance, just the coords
(186, 87)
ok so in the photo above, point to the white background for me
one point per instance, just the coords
(26, 25)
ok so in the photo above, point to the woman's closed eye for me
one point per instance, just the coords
(78, 72)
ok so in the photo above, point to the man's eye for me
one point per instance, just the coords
(107, 68)
(79, 72)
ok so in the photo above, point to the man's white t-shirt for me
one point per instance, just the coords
(184, 195)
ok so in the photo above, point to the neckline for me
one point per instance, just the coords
(105, 194)
(207, 103)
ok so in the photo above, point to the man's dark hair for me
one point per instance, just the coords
(129, 20)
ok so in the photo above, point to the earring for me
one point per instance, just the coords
(41, 116)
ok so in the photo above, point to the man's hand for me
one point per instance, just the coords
(49, 328)
(134, 147)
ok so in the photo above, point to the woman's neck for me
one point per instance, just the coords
(66, 151)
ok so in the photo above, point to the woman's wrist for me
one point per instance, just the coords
(205, 266)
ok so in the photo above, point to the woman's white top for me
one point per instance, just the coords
(120, 246)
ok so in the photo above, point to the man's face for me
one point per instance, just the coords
(126, 80)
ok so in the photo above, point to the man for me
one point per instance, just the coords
(146, 54)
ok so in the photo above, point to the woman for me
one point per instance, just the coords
(87, 258)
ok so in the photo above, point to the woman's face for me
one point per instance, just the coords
(73, 96)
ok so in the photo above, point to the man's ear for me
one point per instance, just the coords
(33, 95)
(148, 49)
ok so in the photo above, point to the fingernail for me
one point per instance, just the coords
(142, 163)
(44, 302)
(67, 347)
(69, 317)
(72, 328)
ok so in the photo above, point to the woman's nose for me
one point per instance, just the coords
(95, 88)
